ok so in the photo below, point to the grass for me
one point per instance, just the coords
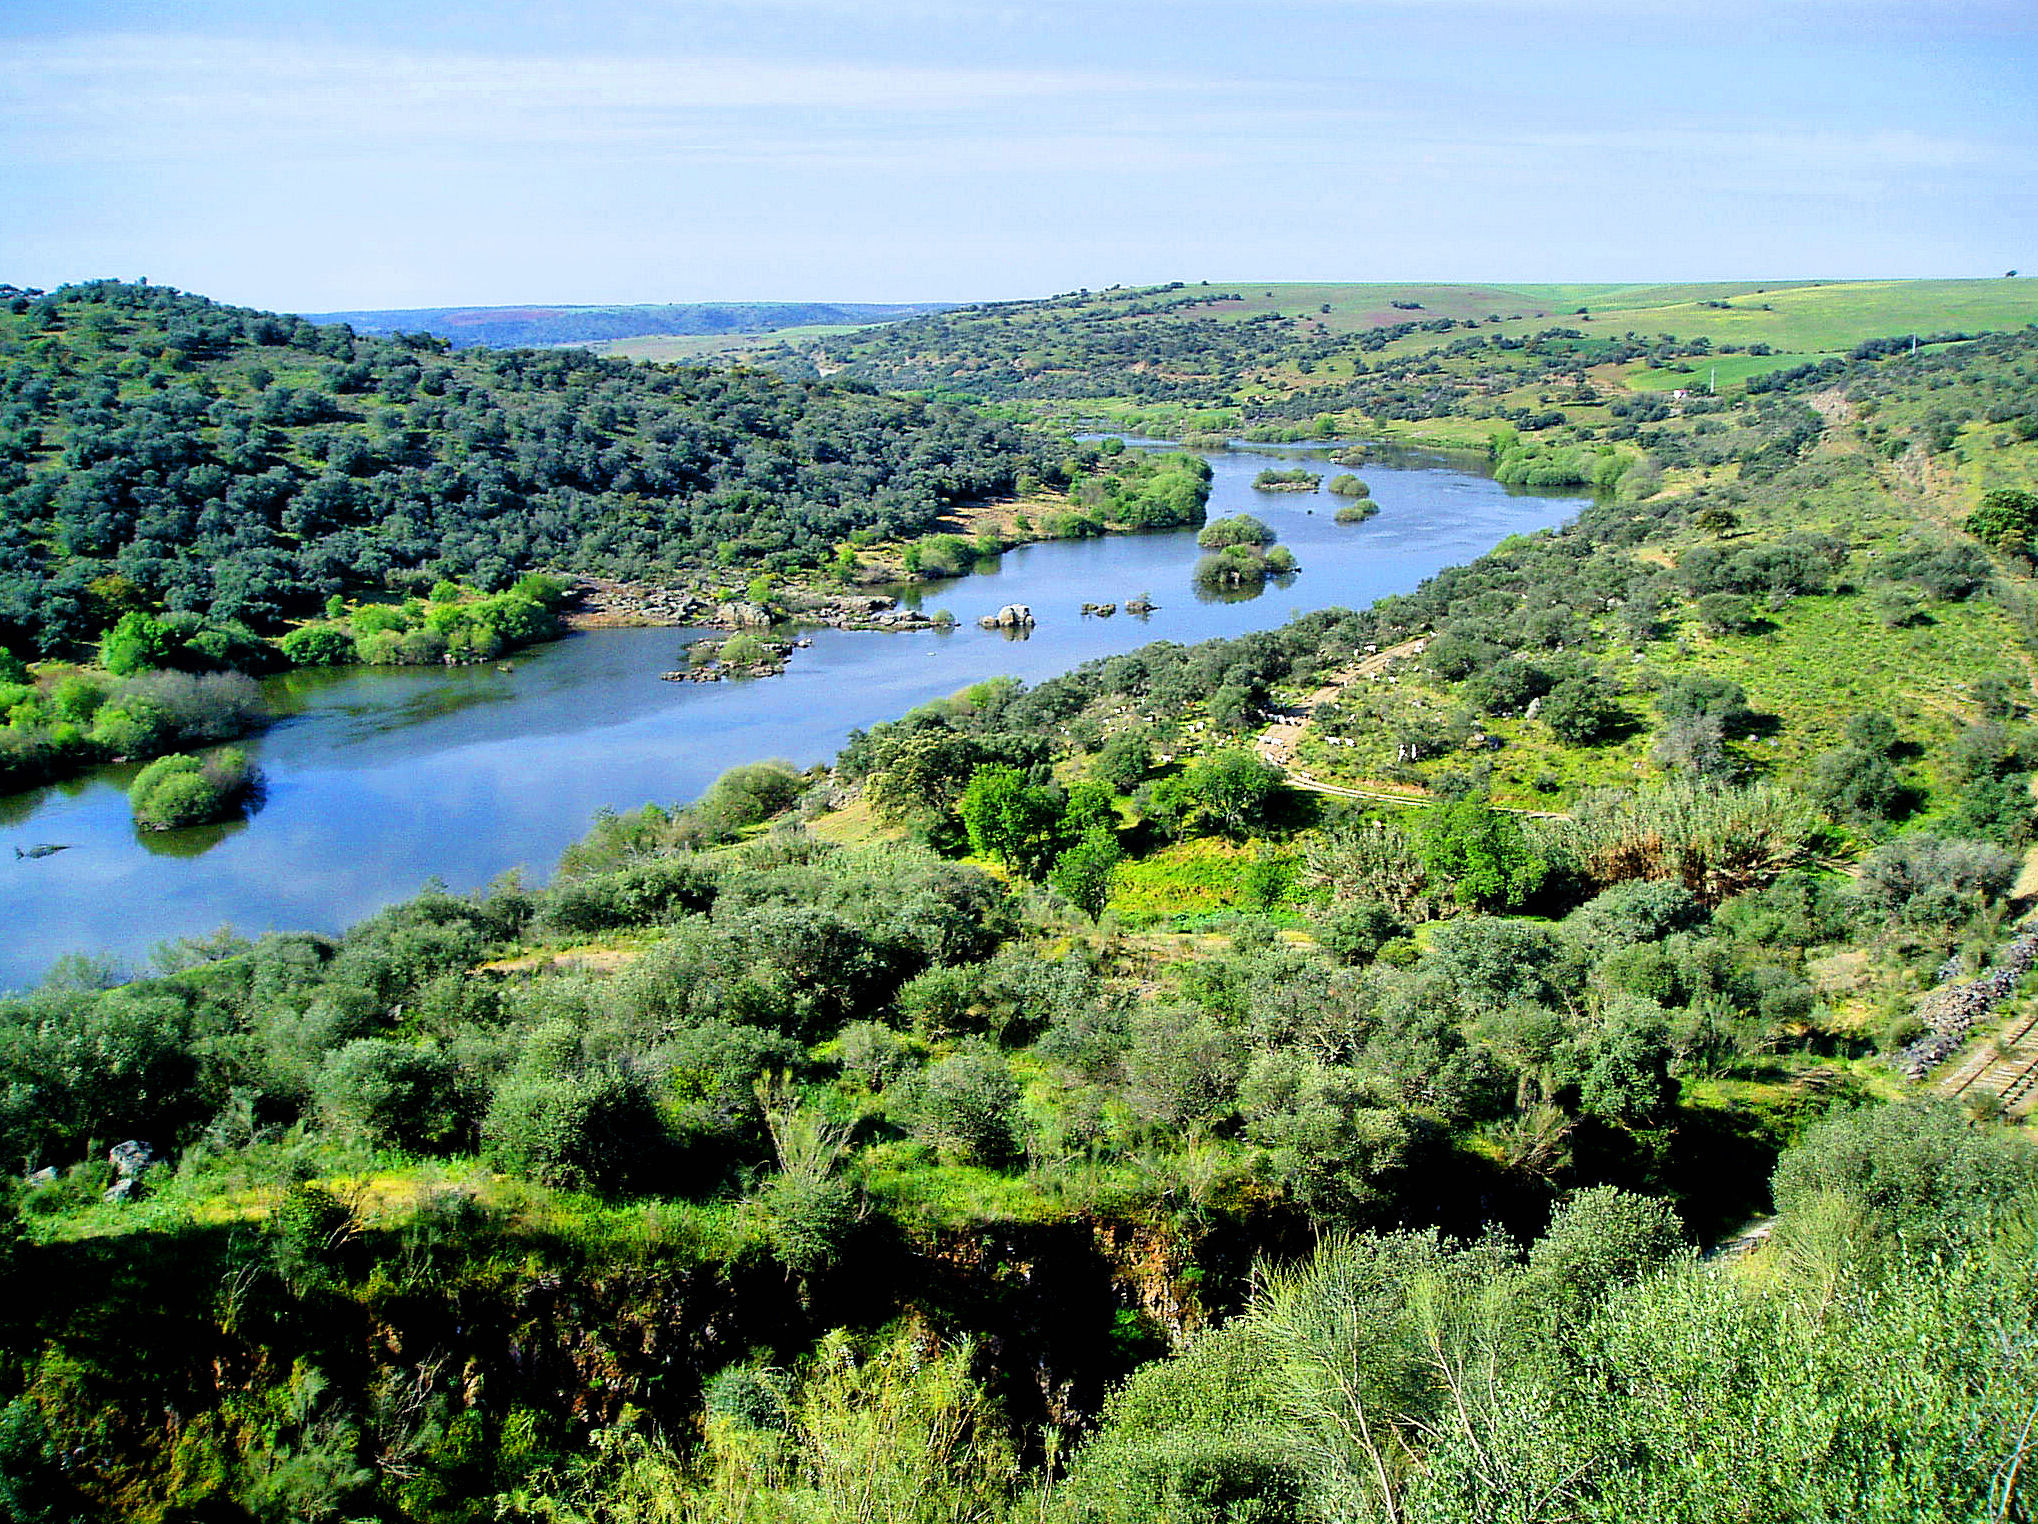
(1828, 658)
(1728, 372)
(695, 346)
(1803, 316)
(1188, 878)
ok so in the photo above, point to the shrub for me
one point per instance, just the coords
(967, 1107)
(743, 649)
(1239, 529)
(1855, 783)
(1920, 1169)
(562, 1120)
(1355, 931)
(1482, 853)
(1581, 712)
(1348, 485)
(1234, 788)
(319, 645)
(182, 790)
(397, 1094)
(1082, 874)
(1645, 911)
(1935, 881)
(1700, 694)
(1727, 614)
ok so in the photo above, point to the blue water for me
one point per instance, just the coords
(380, 779)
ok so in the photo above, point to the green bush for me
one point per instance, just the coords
(967, 1107)
(1239, 529)
(182, 790)
(395, 1094)
(319, 645)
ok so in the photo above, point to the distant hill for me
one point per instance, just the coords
(515, 327)
(1330, 347)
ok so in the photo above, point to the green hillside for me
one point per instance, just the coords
(1256, 351)
(160, 451)
(1096, 1103)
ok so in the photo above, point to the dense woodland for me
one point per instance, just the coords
(1051, 1111)
(160, 451)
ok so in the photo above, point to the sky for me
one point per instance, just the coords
(322, 156)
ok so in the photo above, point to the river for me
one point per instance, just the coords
(379, 779)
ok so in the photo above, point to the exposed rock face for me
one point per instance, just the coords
(1013, 616)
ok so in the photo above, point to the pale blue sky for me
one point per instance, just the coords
(385, 154)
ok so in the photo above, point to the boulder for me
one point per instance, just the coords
(130, 1158)
(1014, 616)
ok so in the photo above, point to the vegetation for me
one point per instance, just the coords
(1118, 1130)
(160, 451)
(181, 790)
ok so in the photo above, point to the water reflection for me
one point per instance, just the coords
(192, 841)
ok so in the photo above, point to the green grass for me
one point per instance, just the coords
(1829, 658)
(1189, 878)
(696, 346)
(1802, 316)
(1727, 371)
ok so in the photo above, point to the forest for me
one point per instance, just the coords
(1583, 1073)
(163, 453)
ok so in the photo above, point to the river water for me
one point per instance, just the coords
(379, 779)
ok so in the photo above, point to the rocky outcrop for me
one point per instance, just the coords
(1013, 616)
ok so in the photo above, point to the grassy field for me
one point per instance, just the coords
(1806, 316)
(1727, 373)
(669, 347)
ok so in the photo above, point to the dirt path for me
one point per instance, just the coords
(1279, 742)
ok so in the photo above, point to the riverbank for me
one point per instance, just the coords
(383, 777)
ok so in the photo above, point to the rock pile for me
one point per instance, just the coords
(602, 604)
(1951, 1012)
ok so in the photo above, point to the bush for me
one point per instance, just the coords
(1854, 783)
(1579, 711)
(1727, 614)
(394, 1094)
(319, 645)
(1700, 694)
(1239, 529)
(562, 1120)
(1930, 880)
(1349, 485)
(1480, 852)
(1355, 931)
(743, 649)
(1920, 1169)
(806, 1220)
(182, 790)
(1599, 1239)
(1647, 910)
(967, 1107)
(1082, 874)
(1234, 788)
